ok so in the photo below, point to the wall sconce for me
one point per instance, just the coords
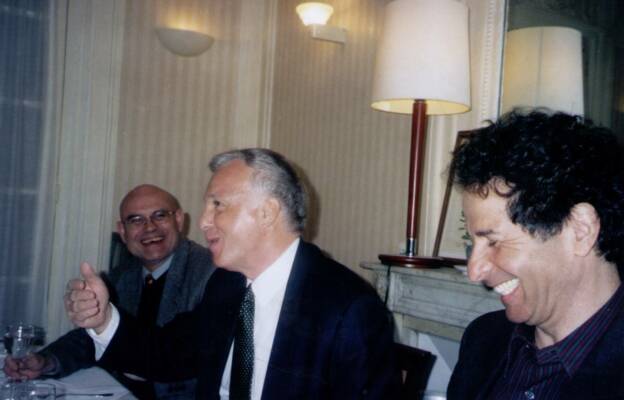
(316, 15)
(184, 42)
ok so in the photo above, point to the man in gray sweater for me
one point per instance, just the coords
(165, 275)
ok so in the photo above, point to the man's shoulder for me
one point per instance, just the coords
(487, 336)
(322, 273)
(193, 259)
(194, 251)
(492, 324)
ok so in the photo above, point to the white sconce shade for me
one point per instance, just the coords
(314, 13)
(543, 68)
(424, 54)
(184, 42)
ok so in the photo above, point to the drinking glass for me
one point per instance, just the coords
(27, 391)
(20, 339)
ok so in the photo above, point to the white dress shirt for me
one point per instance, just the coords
(158, 272)
(268, 288)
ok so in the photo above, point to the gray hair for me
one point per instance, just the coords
(275, 176)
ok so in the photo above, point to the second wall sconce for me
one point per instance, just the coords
(316, 15)
(184, 42)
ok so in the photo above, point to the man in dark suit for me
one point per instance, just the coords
(166, 275)
(543, 196)
(279, 320)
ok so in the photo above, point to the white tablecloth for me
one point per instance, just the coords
(86, 384)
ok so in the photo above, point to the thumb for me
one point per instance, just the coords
(88, 272)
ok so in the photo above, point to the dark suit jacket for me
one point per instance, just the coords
(483, 351)
(333, 339)
(190, 269)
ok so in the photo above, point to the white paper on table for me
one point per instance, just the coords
(90, 381)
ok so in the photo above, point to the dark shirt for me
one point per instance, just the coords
(532, 373)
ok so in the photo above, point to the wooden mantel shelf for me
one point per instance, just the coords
(439, 301)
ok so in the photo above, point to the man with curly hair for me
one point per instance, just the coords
(543, 196)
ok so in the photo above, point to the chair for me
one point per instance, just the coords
(119, 254)
(415, 365)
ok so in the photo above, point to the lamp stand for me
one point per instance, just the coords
(417, 160)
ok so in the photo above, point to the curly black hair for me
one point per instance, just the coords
(548, 163)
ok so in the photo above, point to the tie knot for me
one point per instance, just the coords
(249, 294)
(149, 280)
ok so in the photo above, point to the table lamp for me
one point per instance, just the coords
(422, 68)
(544, 68)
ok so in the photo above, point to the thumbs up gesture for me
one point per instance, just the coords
(86, 300)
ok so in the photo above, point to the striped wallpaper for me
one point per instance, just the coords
(312, 103)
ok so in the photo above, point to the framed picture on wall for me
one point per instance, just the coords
(452, 241)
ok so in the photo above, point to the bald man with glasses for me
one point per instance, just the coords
(165, 276)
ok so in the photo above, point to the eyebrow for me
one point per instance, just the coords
(224, 196)
(485, 232)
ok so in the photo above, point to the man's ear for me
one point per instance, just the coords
(121, 229)
(269, 211)
(585, 224)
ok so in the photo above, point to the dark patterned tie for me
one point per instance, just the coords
(243, 353)
(149, 302)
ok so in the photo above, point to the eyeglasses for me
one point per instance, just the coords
(158, 217)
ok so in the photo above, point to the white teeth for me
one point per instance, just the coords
(507, 287)
(152, 240)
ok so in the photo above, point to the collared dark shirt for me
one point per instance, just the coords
(532, 373)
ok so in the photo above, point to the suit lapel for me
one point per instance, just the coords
(219, 310)
(294, 323)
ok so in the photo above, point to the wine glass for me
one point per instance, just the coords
(27, 391)
(20, 339)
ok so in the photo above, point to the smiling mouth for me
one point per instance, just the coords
(152, 240)
(507, 287)
(211, 242)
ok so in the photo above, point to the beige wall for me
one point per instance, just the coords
(355, 158)
(310, 100)
(175, 111)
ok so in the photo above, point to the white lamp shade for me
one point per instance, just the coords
(314, 13)
(543, 68)
(184, 42)
(423, 55)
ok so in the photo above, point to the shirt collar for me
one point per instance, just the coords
(158, 272)
(574, 348)
(275, 277)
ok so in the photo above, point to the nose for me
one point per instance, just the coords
(479, 264)
(149, 225)
(206, 220)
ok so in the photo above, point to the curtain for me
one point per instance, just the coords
(27, 159)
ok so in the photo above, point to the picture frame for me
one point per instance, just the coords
(449, 244)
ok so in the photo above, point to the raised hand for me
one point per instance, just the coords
(86, 300)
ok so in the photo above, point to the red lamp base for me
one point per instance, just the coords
(414, 261)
